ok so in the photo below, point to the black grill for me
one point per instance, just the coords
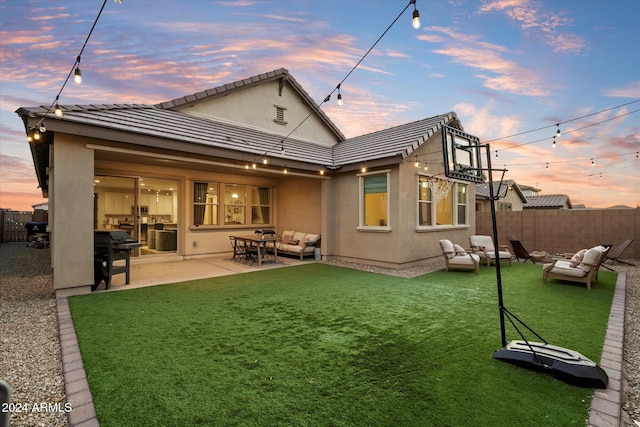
(110, 246)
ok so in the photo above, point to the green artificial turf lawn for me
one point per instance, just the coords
(320, 345)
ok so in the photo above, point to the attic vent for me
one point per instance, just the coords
(280, 115)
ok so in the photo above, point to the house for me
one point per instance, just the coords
(511, 197)
(250, 154)
(548, 201)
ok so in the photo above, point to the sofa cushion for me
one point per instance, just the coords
(313, 238)
(287, 235)
(481, 241)
(299, 236)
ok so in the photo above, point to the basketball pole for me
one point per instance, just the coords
(494, 225)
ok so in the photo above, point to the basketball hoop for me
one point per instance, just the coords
(440, 188)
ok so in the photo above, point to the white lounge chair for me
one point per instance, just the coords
(457, 257)
(484, 248)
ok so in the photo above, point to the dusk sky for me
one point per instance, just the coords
(506, 67)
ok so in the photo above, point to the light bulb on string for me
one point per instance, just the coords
(497, 154)
(339, 95)
(592, 163)
(57, 110)
(547, 167)
(558, 133)
(415, 20)
(600, 175)
(77, 73)
(417, 163)
(554, 142)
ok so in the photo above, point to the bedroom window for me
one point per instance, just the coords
(374, 201)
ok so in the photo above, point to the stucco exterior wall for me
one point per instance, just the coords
(300, 205)
(71, 199)
(255, 106)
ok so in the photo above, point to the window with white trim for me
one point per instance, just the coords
(374, 200)
(451, 210)
(205, 203)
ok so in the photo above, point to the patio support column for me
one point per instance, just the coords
(71, 196)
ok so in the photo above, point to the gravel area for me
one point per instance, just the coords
(30, 345)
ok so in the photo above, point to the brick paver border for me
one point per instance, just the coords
(83, 413)
(605, 406)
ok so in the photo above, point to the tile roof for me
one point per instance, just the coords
(398, 141)
(226, 89)
(548, 201)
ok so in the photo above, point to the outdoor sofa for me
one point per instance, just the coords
(299, 243)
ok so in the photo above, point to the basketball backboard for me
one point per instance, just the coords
(462, 158)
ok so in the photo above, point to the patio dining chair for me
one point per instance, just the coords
(519, 251)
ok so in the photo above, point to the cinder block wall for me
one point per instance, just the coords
(560, 231)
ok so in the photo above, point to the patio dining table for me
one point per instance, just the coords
(260, 243)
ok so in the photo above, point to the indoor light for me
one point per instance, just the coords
(416, 15)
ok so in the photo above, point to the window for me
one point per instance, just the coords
(260, 205)
(451, 210)
(235, 203)
(374, 201)
(205, 203)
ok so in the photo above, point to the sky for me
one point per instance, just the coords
(512, 70)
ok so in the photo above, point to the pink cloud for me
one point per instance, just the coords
(497, 72)
(546, 25)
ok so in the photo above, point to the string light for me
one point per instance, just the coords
(547, 167)
(592, 163)
(363, 169)
(58, 110)
(321, 171)
(285, 171)
(558, 133)
(77, 73)
(339, 95)
(417, 163)
(496, 154)
(415, 21)
(554, 142)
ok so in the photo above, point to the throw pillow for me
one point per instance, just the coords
(459, 249)
(576, 259)
(489, 249)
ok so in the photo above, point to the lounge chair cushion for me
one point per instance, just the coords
(459, 249)
(564, 268)
(465, 259)
(448, 248)
(590, 258)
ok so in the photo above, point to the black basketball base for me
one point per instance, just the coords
(564, 364)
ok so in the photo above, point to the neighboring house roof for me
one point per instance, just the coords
(529, 188)
(556, 201)
(482, 189)
(281, 74)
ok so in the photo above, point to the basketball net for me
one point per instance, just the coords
(440, 188)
